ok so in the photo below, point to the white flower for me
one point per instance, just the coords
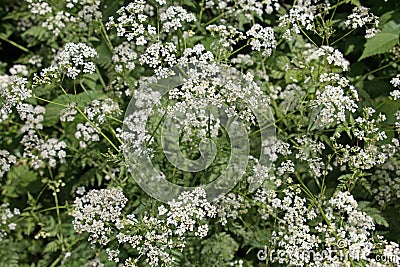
(74, 56)
(95, 210)
(6, 161)
(173, 17)
(262, 39)
(395, 81)
(335, 99)
(361, 17)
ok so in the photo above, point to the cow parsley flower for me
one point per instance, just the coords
(386, 176)
(132, 23)
(39, 7)
(361, 17)
(68, 113)
(37, 149)
(395, 81)
(6, 161)
(75, 57)
(328, 53)
(124, 57)
(7, 217)
(262, 39)
(98, 110)
(158, 55)
(58, 21)
(13, 90)
(334, 100)
(99, 213)
(173, 18)
(300, 224)
(40, 151)
(301, 15)
(96, 210)
(86, 133)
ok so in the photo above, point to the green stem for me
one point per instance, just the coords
(59, 221)
(378, 69)
(53, 208)
(2, 37)
(104, 33)
(308, 37)
(101, 79)
(48, 101)
(344, 36)
(98, 129)
(201, 10)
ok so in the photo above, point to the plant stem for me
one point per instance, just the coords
(2, 37)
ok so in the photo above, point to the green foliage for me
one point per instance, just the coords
(383, 41)
(218, 250)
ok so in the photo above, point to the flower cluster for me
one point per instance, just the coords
(329, 54)
(265, 105)
(98, 110)
(78, 13)
(173, 17)
(75, 56)
(131, 23)
(228, 37)
(386, 176)
(7, 217)
(262, 39)
(96, 210)
(99, 213)
(13, 90)
(336, 98)
(361, 17)
(41, 151)
(300, 16)
(68, 113)
(86, 133)
(298, 229)
(6, 160)
(124, 57)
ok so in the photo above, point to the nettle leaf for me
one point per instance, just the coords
(383, 41)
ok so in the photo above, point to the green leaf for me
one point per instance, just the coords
(379, 44)
(391, 27)
(219, 249)
(52, 246)
(52, 114)
(375, 214)
(383, 41)
(37, 32)
(19, 179)
(354, 2)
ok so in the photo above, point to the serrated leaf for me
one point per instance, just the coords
(391, 27)
(381, 43)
